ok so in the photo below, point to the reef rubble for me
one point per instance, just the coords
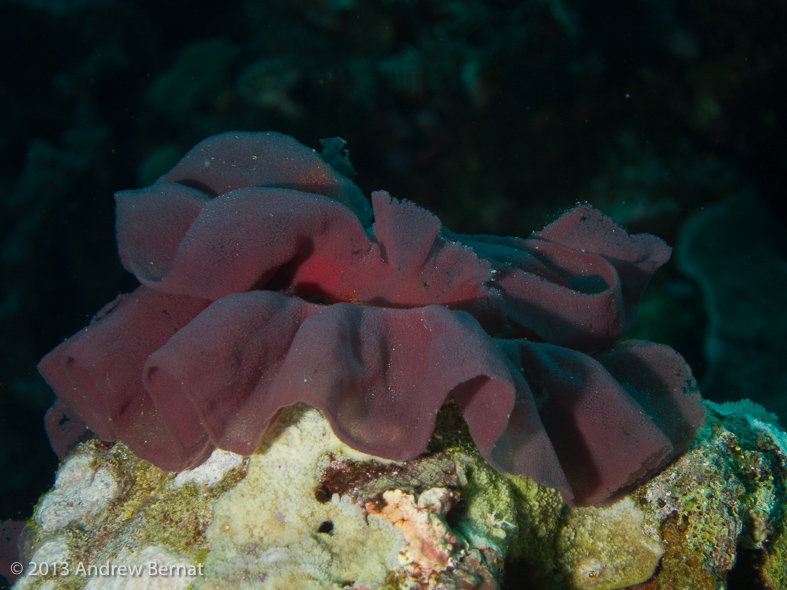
(307, 511)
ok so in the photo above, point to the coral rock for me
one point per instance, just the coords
(307, 511)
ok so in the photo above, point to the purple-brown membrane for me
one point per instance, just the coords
(262, 285)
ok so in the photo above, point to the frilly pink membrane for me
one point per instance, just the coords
(264, 283)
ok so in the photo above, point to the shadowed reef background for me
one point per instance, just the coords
(495, 115)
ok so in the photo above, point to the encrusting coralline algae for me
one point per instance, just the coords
(307, 511)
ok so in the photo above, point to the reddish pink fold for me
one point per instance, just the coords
(380, 375)
(263, 287)
(97, 373)
(315, 247)
(240, 159)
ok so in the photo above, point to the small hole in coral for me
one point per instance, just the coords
(746, 573)
(326, 527)
(454, 515)
(322, 494)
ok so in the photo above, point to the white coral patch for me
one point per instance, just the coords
(52, 554)
(212, 471)
(269, 531)
(81, 490)
(154, 567)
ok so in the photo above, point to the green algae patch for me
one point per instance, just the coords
(563, 548)
(724, 498)
(687, 527)
(774, 561)
(606, 548)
